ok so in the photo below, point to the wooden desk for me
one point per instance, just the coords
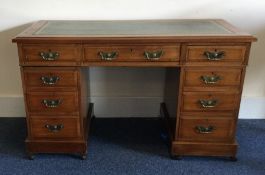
(205, 63)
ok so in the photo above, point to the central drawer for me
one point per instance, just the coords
(210, 101)
(132, 53)
(53, 102)
(55, 127)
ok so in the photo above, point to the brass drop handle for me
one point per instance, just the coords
(52, 103)
(210, 79)
(108, 56)
(50, 80)
(49, 56)
(54, 128)
(214, 56)
(204, 130)
(153, 55)
(208, 103)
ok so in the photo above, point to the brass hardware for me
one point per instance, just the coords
(204, 130)
(210, 79)
(50, 80)
(214, 56)
(49, 56)
(52, 103)
(208, 103)
(54, 128)
(108, 56)
(153, 55)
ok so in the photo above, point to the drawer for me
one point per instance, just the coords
(215, 54)
(50, 77)
(207, 129)
(52, 102)
(212, 77)
(53, 127)
(132, 53)
(51, 54)
(210, 101)
(148, 53)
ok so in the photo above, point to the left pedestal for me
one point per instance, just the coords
(58, 113)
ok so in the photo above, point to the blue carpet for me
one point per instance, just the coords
(130, 146)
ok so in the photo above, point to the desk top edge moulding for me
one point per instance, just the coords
(205, 62)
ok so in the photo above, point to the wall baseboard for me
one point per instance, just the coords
(12, 107)
(126, 106)
(251, 107)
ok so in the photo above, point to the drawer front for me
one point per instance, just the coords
(132, 53)
(207, 129)
(112, 53)
(210, 101)
(215, 54)
(52, 54)
(53, 127)
(48, 77)
(213, 77)
(52, 102)
(156, 53)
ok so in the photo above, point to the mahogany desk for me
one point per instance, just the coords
(205, 62)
